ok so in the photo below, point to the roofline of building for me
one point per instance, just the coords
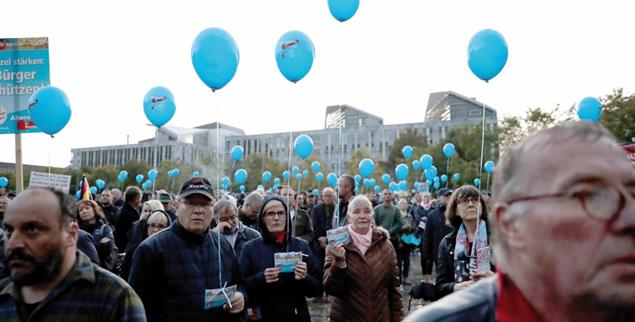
(355, 109)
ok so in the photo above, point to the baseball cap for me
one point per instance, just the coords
(444, 192)
(197, 185)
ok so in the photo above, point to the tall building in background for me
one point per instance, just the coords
(346, 126)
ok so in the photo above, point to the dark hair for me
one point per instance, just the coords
(131, 193)
(350, 181)
(66, 204)
(467, 191)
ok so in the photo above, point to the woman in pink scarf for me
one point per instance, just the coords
(362, 274)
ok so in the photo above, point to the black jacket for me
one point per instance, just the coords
(476, 303)
(110, 212)
(107, 251)
(322, 221)
(172, 269)
(136, 235)
(436, 229)
(126, 216)
(284, 300)
(421, 214)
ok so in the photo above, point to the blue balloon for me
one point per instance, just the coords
(139, 178)
(377, 189)
(477, 182)
(319, 177)
(407, 151)
(242, 188)
(78, 194)
(331, 178)
(401, 171)
(356, 190)
(266, 176)
(416, 165)
(444, 178)
(487, 54)
(436, 179)
(240, 176)
(49, 109)
(589, 109)
(428, 183)
(176, 172)
(305, 173)
(343, 10)
(385, 178)
(123, 174)
(171, 173)
(316, 192)
(225, 181)
(315, 166)
(367, 183)
(373, 182)
(215, 57)
(456, 177)
(276, 181)
(437, 185)
(489, 166)
(426, 161)
(295, 170)
(358, 178)
(100, 183)
(393, 186)
(431, 172)
(366, 167)
(4, 182)
(294, 55)
(285, 175)
(237, 152)
(298, 176)
(196, 173)
(303, 146)
(152, 174)
(403, 185)
(93, 190)
(448, 150)
(158, 105)
(225, 186)
(417, 185)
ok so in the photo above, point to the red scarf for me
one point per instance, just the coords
(279, 237)
(512, 306)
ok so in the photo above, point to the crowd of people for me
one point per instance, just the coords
(556, 242)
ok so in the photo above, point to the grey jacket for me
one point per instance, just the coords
(476, 303)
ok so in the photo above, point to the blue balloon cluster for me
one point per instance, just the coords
(294, 55)
(50, 109)
(158, 106)
(215, 57)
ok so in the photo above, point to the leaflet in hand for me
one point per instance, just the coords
(216, 298)
(338, 236)
(287, 261)
(483, 259)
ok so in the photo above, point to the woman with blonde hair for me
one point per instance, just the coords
(91, 218)
(362, 274)
(149, 207)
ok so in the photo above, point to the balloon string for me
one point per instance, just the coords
(217, 149)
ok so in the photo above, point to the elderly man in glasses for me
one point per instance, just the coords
(564, 220)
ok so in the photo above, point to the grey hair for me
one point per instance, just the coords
(505, 186)
(360, 200)
(225, 205)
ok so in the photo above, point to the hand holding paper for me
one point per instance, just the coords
(237, 304)
(300, 271)
(271, 274)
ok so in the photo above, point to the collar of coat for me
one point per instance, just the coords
(379, 234)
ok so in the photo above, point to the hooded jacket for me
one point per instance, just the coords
(283, 300)
(137, 234)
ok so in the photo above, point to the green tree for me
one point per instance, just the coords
(618, 115)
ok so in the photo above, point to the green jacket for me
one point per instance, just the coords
(390, 218)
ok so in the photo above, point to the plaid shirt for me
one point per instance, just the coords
(88, 293)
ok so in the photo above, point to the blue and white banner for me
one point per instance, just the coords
(24, 68)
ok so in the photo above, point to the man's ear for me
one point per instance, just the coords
(73, 234)
(508, 225)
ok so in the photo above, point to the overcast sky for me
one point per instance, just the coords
(386, 60)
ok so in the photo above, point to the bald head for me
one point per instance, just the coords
(53, 202)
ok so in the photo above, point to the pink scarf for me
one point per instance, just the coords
(361, 241)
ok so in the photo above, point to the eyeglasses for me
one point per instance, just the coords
(602, 202)
(466, 200)
(271, 214)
